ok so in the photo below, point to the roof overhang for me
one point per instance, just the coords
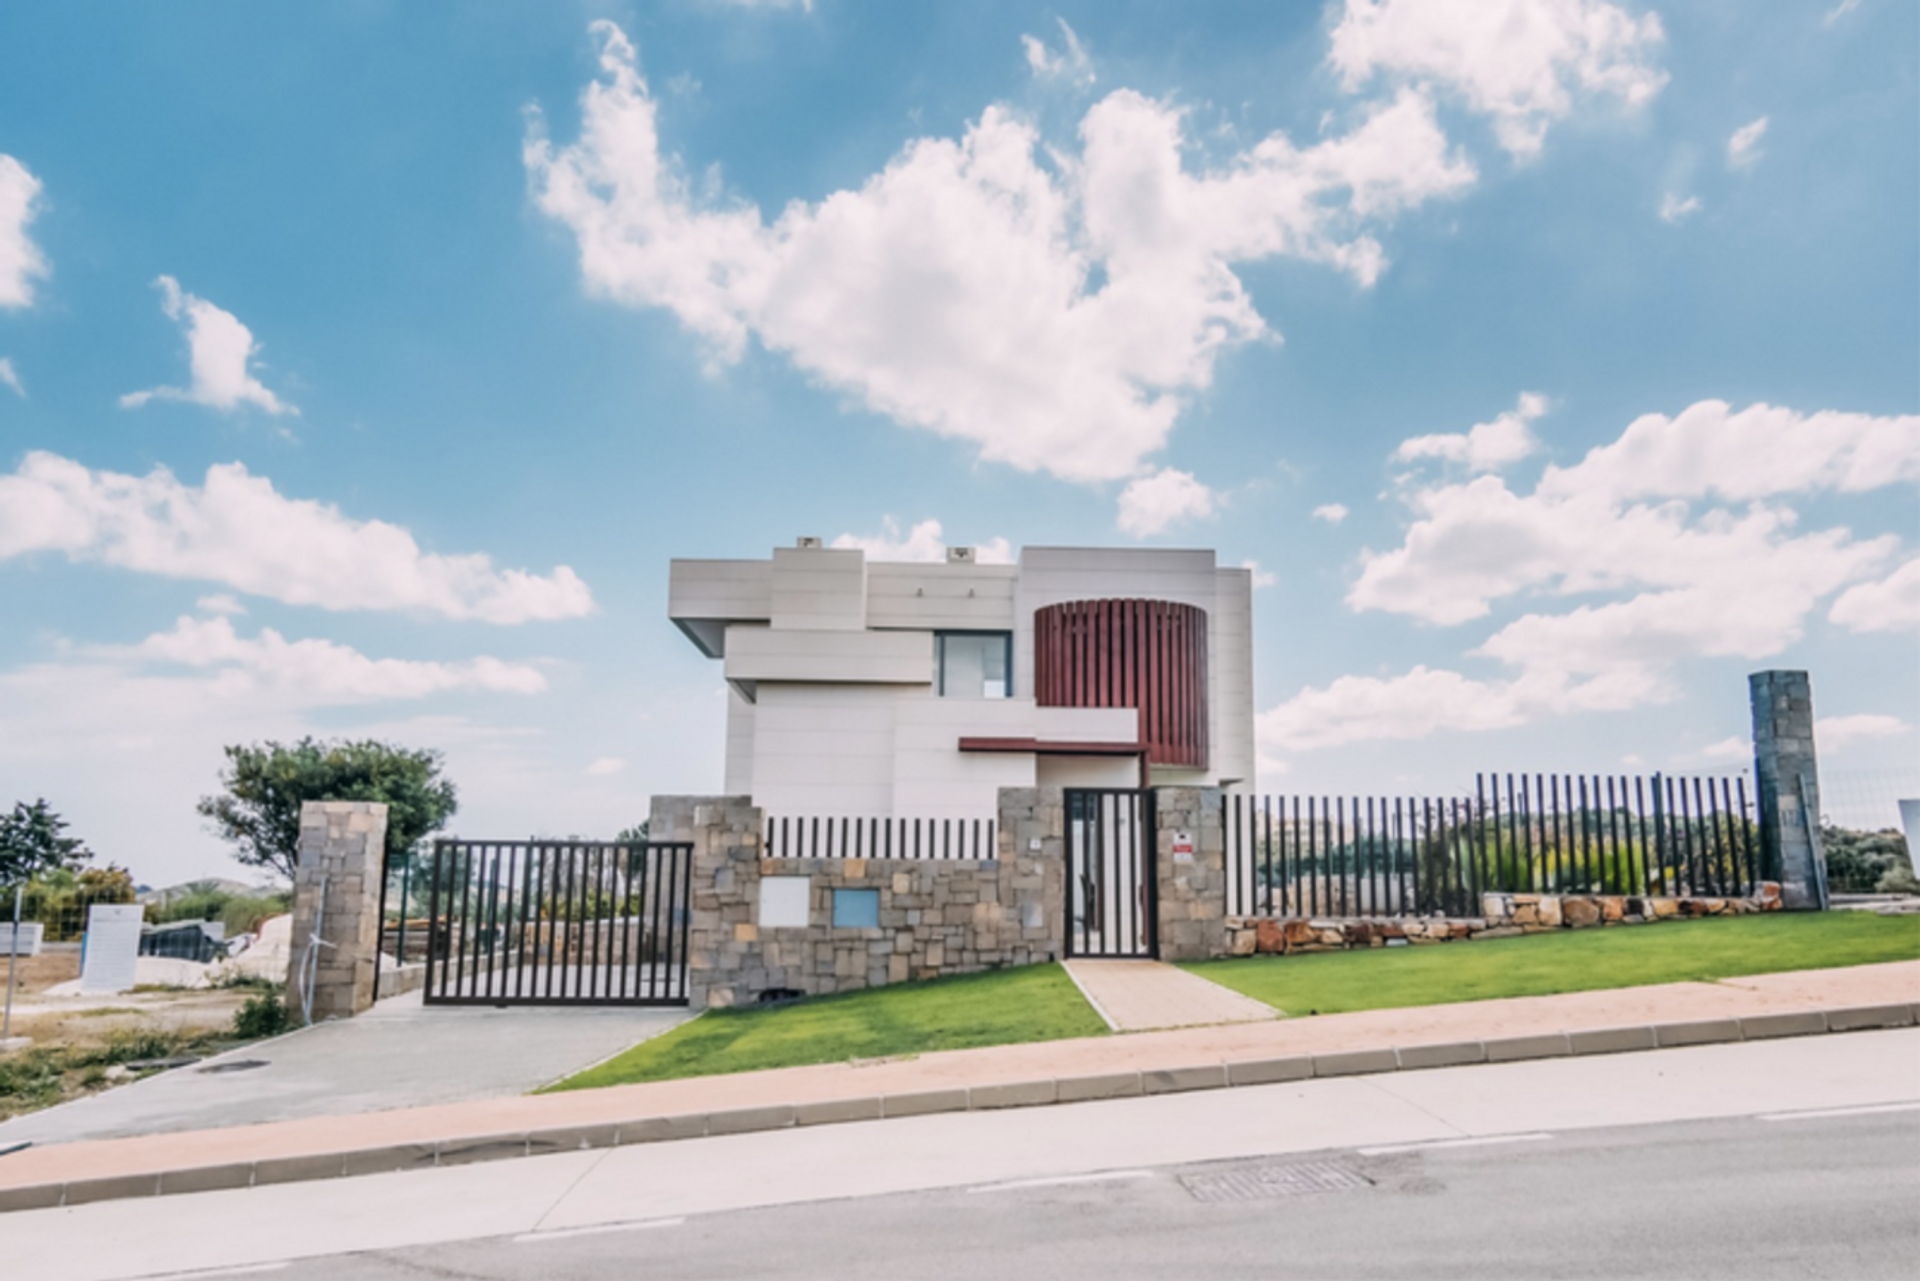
(1051, 747)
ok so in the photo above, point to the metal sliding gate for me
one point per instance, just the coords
(557, 923)
(1112, 892)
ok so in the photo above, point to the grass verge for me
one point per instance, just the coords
(1568, 961)
(999, 1007)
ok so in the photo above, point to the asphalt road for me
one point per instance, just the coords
(1832, 1196)
(1661, 1163)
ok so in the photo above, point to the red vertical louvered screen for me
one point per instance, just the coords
(1145, 654)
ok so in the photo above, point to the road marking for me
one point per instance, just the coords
(1063, 1180)
(561, 1234)
(1436, 1144)
(1872, 1109)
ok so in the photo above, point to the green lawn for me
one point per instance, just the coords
(1567, 961)
(1000, 1007)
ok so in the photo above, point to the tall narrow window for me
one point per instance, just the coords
(974, 664)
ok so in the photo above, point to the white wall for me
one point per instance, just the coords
(739, 744)
(823, 749)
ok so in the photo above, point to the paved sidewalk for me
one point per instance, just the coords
(1678, 1014)
(399, 1054)
(1145, 996)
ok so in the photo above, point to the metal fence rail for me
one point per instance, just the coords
(904, 838)
(1543, 834)
(557, 922)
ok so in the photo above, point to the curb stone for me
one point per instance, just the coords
(1038, 1093)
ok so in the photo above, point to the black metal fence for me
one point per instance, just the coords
(556, 922)
(906, 838)
(1516, 833)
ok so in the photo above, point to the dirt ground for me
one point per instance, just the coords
(78, 1045)
(92, 1020)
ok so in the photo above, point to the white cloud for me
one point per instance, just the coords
(1837, 733)
(955, 290)
(1710, 451)
(1521, 62)
(21, 262)
(1839, 11)
(1071, 64)
(1153, 503)
(1359, 708)
(607, 766)
(219, 348)
(11, 377)
(220, 603)
(1678, 579)
(1743, 148)
(315, 673)
(1676, 211)
(924, 542)
(1485, 446)
(1332, 513)
(1890, 605)
(1261, 577)
(236, 530)
(1733, 748)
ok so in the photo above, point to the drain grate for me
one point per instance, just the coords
(1259, 1183)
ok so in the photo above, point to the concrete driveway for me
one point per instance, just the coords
(399, 1054)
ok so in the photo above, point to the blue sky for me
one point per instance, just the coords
(362, 365)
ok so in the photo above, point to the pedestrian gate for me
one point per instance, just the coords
(557, 923)
(1112, 891)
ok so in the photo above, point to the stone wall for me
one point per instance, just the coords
(1191, 866)
(1503, 916)
(936, 917)
(337, 883)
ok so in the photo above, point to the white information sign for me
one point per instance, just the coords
(112, 947)
(30, 934)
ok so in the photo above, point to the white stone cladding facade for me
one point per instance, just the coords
(830, 660)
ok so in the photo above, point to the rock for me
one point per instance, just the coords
(1495, 906)
(1550, 910)
(1578, 913)
(1296, 934)
(1242, 942)
(1613, 908)
(1663, 908)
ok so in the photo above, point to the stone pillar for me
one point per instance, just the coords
(724, 958)
(337, 885)
(1191, 861)
(1787, 778)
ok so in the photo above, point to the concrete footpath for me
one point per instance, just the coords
(1681, 1014)
(400, 1054)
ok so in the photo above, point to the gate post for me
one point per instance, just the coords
(1787, 778)
(725, 962)
(1192, 866)
(336, 916)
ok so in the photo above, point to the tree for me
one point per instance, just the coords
(267, 783)
(31, 844)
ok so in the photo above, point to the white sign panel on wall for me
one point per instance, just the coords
(112, 947)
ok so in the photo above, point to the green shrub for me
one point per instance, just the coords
(1867, 862)
(264, 1014)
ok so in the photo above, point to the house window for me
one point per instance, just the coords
(856, 909)
(974, 664)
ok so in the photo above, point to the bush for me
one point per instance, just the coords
(264, 1014)
(1867, 862)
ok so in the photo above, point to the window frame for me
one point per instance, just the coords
(940, 660)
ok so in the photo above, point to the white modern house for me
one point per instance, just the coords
(860, 687)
